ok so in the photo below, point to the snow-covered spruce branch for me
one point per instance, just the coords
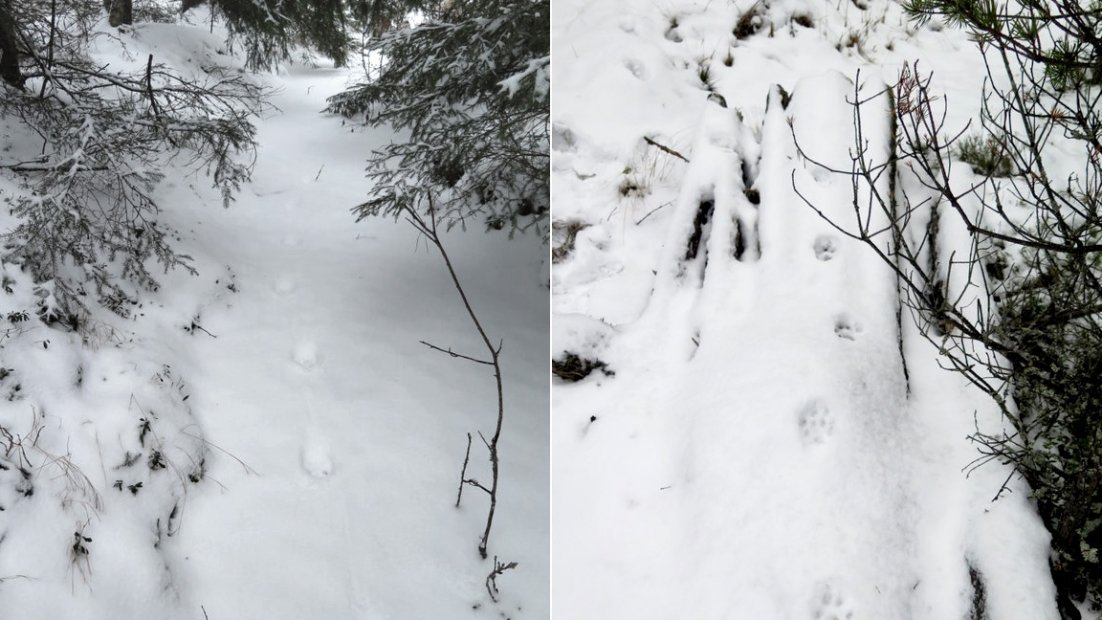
(427, 226)
(471, 87)
(87, 214)
(499, 41)
(470, 171)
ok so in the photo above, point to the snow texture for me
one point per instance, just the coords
(762, 451)
(269, 439)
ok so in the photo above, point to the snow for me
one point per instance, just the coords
(759, 450)
(287, 378)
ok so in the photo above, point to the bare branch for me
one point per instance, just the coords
(454, 354)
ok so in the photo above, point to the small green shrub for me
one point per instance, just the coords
(1051, 326)
(986, 155)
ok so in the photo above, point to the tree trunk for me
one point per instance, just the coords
(9, 49)
(119, 12)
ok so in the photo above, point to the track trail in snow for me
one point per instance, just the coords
(772, 377)
(761, 451)
(348, 431)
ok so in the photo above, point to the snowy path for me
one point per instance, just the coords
(350, 432)
(267, 438)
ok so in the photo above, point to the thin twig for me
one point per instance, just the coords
(454, 354)
(476, 484)
(463, 472)
(429, 229)
(665, 149)
(243, 464)
(651, 212)
(491, 579)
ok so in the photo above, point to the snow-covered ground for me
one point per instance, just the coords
(307, 445)
(756, 449)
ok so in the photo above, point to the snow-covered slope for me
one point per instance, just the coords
(757, 447)
(310, 444)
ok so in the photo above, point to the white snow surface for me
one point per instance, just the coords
(755, 450)
(288, 379)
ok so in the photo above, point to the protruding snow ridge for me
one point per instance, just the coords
(782, 216)
(714, 161)
(700, 221)
(822, 127)
(825, 127)
(734, 166)
(715, 223)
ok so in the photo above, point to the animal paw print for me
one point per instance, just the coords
(846, 328)
(284, 285)
(825, 247)
(306, 355)
(816, 423)
(636, 68)
(316, 458)
(831, 605)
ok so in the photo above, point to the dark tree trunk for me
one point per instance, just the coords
(119, 12)
(9, 48)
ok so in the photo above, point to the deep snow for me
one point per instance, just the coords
(758, 451)
(288, 378)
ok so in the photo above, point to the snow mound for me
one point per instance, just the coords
(778, 440)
